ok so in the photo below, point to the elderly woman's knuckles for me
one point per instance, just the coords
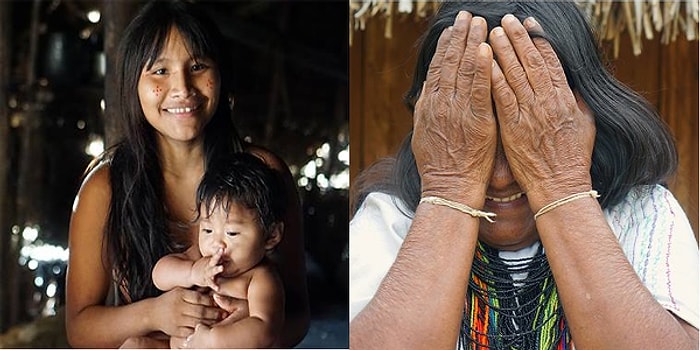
(539, 169)
(534, 62)
(515, 76)
(503, 96)
(481, 99)
(451, 183)
(507, 111)
(482, 118)
(433, 73)
(543, 90)
(434, 104)
(465, 72)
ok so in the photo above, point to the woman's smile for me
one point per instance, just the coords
(502, 204)
(505, 199)
(514, 227)
(182, 111)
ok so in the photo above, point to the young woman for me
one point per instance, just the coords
(137, 204)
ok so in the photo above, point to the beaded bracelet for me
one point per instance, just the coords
(567, 199)
(459, 206)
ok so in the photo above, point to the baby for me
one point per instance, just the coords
(240, 204)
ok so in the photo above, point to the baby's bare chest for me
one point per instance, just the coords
(236, 287)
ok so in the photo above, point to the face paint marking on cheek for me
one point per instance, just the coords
(157, 91)
(210, 84)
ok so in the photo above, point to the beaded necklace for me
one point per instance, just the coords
(506, 313)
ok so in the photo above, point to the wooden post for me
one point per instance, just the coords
(30, 164)
(117, 15)
(5, 235)
(30, 169)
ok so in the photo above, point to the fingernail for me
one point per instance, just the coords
(477, 22)
(509, 18)
(498, 31)
(461, 15)
(483, 49)
(530, 23)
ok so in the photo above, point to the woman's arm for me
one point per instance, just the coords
(549, 141)
(606, 304)
(89, 323)
(420, 302)
(291, 248)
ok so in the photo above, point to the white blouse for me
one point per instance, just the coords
(652, 228)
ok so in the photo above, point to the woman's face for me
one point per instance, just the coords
(515, 224)
(179, 93)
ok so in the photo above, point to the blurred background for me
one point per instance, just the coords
(291, 96)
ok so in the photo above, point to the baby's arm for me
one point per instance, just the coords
(177, 270)
(261, 329)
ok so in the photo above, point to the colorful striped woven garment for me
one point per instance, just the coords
(503, 312)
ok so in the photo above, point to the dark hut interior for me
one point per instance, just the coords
(291, 96)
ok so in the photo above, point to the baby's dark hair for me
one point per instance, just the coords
(243, 179)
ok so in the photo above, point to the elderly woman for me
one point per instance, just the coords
(526, 210)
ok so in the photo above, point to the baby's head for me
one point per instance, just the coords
(240, 205)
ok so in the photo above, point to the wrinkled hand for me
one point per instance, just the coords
(547, 139)
(205, 270)
(179, 310)
(454, 134)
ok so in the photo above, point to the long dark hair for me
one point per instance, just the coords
(632, 147)
(137, 230)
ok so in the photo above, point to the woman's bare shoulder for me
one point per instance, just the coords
(95, 186)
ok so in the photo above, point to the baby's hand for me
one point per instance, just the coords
(205, 270)
(194, 340)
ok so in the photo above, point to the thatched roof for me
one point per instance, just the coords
(640, 18)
